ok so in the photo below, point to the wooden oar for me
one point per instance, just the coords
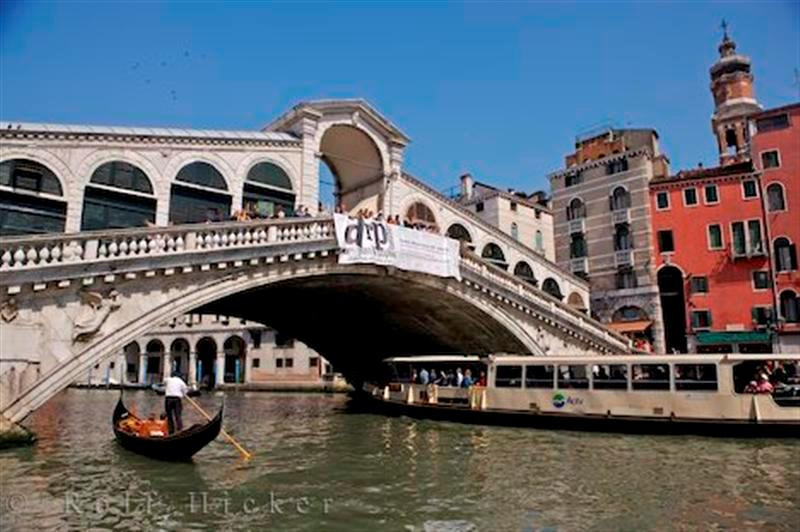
(245, 454)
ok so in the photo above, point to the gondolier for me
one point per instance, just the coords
(174, 391)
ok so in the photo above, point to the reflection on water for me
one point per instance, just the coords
(319, 464)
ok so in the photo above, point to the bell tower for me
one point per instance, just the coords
(734, 101)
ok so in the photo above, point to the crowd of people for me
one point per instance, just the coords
(369, 214)
(450, 378)
(773, 375)
(249, 212)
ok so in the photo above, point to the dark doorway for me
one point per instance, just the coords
(673, 308)
(206, 362)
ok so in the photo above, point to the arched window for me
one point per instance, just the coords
(623, 239)
(493, 253)
(577, 246)
(539, 242)
(420, 215)
(775, 199)
(29, 199)
(514, 231)
(576, 209)
(459, 232)
(576, 301)
(551, 287)
(620, 199)
(234, 348)
(199, 194)
(629, 313)
(790, 306)
(118, 195)
(785, 255)
(266, 188)
(524, 271)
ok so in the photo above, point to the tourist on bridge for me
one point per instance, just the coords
(174, 391)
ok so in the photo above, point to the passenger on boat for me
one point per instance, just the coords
(459, 378)
(434, 376)
(482, 379)
(414, 377)
(466, 382)
(760, 385)
(424, 376)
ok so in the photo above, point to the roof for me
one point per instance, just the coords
(639, 359)
(42, 127)
(630, 326)
(494, 191)
(777, 110)
(705, 173)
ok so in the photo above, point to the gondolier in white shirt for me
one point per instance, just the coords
(174, 391)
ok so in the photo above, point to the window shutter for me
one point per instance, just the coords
(695, 320)
(754, 314)
(793, 256)
(709, 318)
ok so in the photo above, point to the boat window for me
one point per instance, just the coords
(508, 377)
(572, 376)
(781, 378)
(610, 377)
(696, 377)
(538, 376)
(650, 377)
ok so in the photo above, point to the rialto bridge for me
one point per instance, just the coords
(121, 250)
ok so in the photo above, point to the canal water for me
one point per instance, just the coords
(321, 465)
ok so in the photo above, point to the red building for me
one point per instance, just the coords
(712, 261)
(775, 150)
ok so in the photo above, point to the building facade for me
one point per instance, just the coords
(602, 227)
(775, 148)
(214, 351)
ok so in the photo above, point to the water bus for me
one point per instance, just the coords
(729, 394)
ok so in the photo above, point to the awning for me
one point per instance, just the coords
(630, 326)
(733, 337)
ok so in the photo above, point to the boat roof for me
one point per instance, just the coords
(434, 359)
(639, 359)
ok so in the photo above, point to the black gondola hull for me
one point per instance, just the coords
(177, 447)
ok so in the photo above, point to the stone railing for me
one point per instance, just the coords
(555, 309)
(30, 252)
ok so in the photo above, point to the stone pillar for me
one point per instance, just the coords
(220, 369)
(142, 368)
(122, 370)
(167, 365)
(192, 368)
(246, 367)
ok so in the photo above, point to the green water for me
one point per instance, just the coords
(320, 465)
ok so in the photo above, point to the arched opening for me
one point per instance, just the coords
(790, 306)
(576, 301)
(620, 199)
(492, 253)
(421, 216)
(131, 351)
(356, 169)
(234, 348)
(153, 361)
(576, 209)
(775, 198)
(551, 287)
(179, 354)
(673, 308)
(31, 199)
(459, 232)
(267, 188)
(785, 255)
(118, 195)
(206, 372)
(633, 322)
(199, 194)
(623, 239)
(524, 271)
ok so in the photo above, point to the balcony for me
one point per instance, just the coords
(577, 226)
(620, 216)
(749, 253)
(623, 258)
(579, 265)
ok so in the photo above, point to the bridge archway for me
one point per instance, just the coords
(356, 164)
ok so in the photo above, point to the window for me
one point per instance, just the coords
(690, 196)
(623, 240)
(572, 376)
(775, 200)
(577, 246)
(699, 285)
(573, 179)
(289, 362)
(662, 200)
(691, 377)
(760, 280)
(772, 122)
(739, 238)
(278, 362)
(785, 255)
(701, 319)
(762, 316)
(539, 242)
(665, 243)
(514, 231)
(715, 237)
(626, 279)
(756, 246)
(539, 376)
(479, 207)
(256, 363)
(614, 167)
(650, 377)
(790, 307)
(514, 206)
(711, 193)
(611, 377)
(508, 377)
(620, 199)
(283, 341)
(576, 209)
(255, 335)
(313, 362)
(770, 159)
(749, 189)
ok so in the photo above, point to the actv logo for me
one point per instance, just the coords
(362, 234)
(560, 400)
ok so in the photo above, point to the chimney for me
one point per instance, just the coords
(467, 184)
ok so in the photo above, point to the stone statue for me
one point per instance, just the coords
(93, 313)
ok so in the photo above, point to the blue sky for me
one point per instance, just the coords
(497, 89)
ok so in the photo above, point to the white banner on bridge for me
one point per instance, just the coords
(373, 242)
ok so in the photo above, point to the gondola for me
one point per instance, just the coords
(177, 447)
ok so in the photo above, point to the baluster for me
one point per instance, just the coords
(5, 260)
(44, 254)
(179, 244)
(102, 251)
(56, 252)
